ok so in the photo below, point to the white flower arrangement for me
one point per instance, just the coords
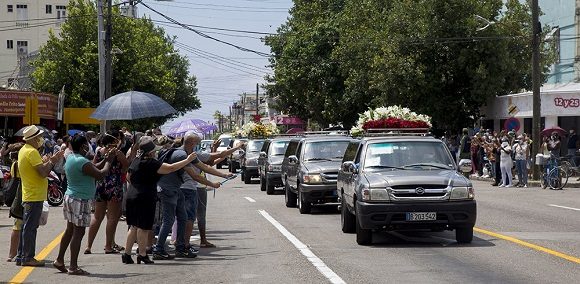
(401, 115)
(253, 129)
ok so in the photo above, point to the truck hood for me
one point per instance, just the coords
(443, 178)
(322, 166)
(276, 160)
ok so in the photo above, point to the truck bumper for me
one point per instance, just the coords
(319, 193)
(274, 178)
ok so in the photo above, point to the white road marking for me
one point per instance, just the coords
(559, 206)
(250, 199)
(317, 262)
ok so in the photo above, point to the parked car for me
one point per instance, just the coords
(310, 168)
(404, 182)
(270, 163)
(235, 157)
(224, 145)
(249, 160)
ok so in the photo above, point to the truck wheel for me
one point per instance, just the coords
(234, 168)
(247, 179)
(289, 196)
(262, 184)
(347, 219)
(269, 188)
(464, 235)
(230, 167)
(303, 206)
(364, 237)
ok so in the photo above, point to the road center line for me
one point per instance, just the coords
(317, 262)
(250, 199)
(529, 245)
(559, 206)
(25, 271)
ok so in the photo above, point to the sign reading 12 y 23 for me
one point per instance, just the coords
(566, 103)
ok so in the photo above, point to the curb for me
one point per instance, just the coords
(572, 183)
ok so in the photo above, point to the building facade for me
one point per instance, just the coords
(24, 28)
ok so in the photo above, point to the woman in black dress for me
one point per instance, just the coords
(143, 175)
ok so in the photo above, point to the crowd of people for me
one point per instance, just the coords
(157, 183)
(498, 155)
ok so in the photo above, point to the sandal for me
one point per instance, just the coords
(113, 251)
(78, 271)
(60, 267)
(118, 247)
(87, 251)
(207, 245)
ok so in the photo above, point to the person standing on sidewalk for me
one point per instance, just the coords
(33, 172)
(506, 163)
(521, 157)
(78, 197)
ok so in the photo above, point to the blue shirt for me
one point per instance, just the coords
(80, 185)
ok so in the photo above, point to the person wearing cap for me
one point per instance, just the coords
(144, 173)
(506, 163)
(521, 157)
(33, 171)
(79, 195)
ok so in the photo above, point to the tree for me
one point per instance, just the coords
(147, 62)
(422, 54)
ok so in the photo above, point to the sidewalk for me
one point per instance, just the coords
(572, 181)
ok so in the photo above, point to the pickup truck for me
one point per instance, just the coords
(404, 183)
(310, 168)
(249, 159)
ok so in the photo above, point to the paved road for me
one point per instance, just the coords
(261, 241)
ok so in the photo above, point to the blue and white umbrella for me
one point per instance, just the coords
(180, 128)
(132, 105)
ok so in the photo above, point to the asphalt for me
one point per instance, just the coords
(252, 250)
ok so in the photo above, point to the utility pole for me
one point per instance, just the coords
(108, 58)
(536, 99)
(101, 48)
(257, 100)
(230, 119)
(244, 109)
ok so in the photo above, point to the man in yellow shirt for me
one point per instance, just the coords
(33, 172)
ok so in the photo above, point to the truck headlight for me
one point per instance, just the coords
(459, 193)
(375, 194)
(312, 178)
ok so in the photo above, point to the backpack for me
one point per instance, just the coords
(164, 156)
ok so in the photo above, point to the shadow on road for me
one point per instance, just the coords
(114, 276)
(423, 239)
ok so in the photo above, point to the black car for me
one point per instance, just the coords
(249, 160)
(310, 168)
(270, 163)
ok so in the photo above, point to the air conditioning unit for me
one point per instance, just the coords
(129, 11)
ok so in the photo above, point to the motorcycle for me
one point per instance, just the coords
(55, 195)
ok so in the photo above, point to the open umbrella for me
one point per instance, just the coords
(47, 133)
(73, 132)
(132, 105)
(180, 128)
(549, 131)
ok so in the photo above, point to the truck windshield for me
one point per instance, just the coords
(408, 155)
(254, 145)
(278, 148)
(324, 150)
(225, 142)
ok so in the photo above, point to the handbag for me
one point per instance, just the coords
(11, 186)
(44, 215)
(16, 208)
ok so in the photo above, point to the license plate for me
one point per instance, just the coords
(421, 216)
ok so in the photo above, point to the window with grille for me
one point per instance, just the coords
(49, 9)
(60, 14)
(10, 44)
(10, 8)
(21, 15)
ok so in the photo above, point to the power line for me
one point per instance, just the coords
(214, 28)
(217, 33)
(220, 9)
(223, 59)
(228, 6)
(203, 34)
(220, 63)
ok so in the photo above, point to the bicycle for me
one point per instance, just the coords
(554, 176)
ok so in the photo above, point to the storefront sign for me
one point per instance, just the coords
(566, 103)
(287, 120)
(12, 103)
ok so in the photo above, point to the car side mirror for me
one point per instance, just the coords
(465, 165)
(293, 160)
(263, 155)
(350, 167)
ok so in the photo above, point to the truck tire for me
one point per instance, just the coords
(247, 179)
(289, 196)
(269, 188)
(364, 237)
(464, 235)
(262, 184)
(303, 206)
(347, 219)
(234, 167)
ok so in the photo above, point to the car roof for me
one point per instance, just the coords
(401, 138)
(327, 138)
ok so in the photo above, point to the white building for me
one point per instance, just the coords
(24, 27)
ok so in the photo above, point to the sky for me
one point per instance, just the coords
(223, 72)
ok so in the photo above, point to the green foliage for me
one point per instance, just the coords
(147, 62)
(338, 58)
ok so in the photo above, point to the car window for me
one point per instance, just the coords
(254, 145)
(324, 150)
(416, 155)
(278, 148)
(225, 142)
(350, 152)
(291, 149)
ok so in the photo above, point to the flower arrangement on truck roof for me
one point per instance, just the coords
(390, 117)
(257, 130)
